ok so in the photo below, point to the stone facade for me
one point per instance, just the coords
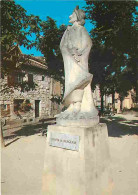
(127, 103)
(39, 99)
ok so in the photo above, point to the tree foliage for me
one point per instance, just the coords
(113, 58)
(49, 43)
(16, 29)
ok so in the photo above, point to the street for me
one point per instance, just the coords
(23, 158)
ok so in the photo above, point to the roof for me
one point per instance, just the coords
(37, 64)
(38, 61)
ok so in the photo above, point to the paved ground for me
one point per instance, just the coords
(123, 141)
(22, 166)
(23, 159)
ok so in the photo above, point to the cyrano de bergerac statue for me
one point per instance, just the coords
(77, 153)
(75, 48)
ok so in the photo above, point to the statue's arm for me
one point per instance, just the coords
(84, 45)
(79, 47)
(86, 42)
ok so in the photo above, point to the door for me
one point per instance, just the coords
(37, 108)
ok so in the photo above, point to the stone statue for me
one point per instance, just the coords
(75, 48)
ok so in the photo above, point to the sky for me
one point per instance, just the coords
(59, 10)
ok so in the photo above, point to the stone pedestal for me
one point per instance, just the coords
(77, 161)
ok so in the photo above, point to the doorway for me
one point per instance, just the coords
(37, 108)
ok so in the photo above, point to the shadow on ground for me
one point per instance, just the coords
(118, 126)
(12, 141)
(27, 130)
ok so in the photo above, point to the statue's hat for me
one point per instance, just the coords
(79, 13)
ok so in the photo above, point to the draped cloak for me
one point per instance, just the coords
(75, 47)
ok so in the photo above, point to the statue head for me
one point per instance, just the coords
(78, 15)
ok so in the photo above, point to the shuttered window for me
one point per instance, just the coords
(14, 79)
(30, 78)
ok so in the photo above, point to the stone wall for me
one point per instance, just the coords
(43, 92)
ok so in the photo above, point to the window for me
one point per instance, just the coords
(2, 75)
(30, 78)
(116, 100)
(19, 78)
(5, 110)
(15, 78)
(4, 107)
(11, 80)
(43, 78)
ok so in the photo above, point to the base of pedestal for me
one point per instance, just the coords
(77, 161)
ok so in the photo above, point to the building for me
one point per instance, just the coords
(97, 96)
(127, 103)
(37, 97)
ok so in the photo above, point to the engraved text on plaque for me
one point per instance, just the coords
(66, 141)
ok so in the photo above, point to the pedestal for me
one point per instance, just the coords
(77, 161)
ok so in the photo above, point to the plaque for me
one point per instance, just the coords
(66, 141)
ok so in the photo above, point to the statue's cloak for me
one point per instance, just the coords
(75, 47)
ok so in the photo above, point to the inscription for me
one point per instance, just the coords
(66, 141)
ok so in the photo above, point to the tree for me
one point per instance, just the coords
(48, 44)
(114, 32)
(16, 29)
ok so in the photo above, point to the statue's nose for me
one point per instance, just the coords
(70, 16)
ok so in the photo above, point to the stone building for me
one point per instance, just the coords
(127, 103)
(97, 96)
(40, 96)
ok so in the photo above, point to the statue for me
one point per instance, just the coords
(75, 47)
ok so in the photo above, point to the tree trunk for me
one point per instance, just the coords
(113, 101)
(102, 99)
(121, 104)
(137, 91)
(2, 138)
(102, 106)
(105, 101)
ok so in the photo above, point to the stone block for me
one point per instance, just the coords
(84, 170)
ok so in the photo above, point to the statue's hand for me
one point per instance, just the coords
(76, 58)
(79, 52)
(74, 52)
